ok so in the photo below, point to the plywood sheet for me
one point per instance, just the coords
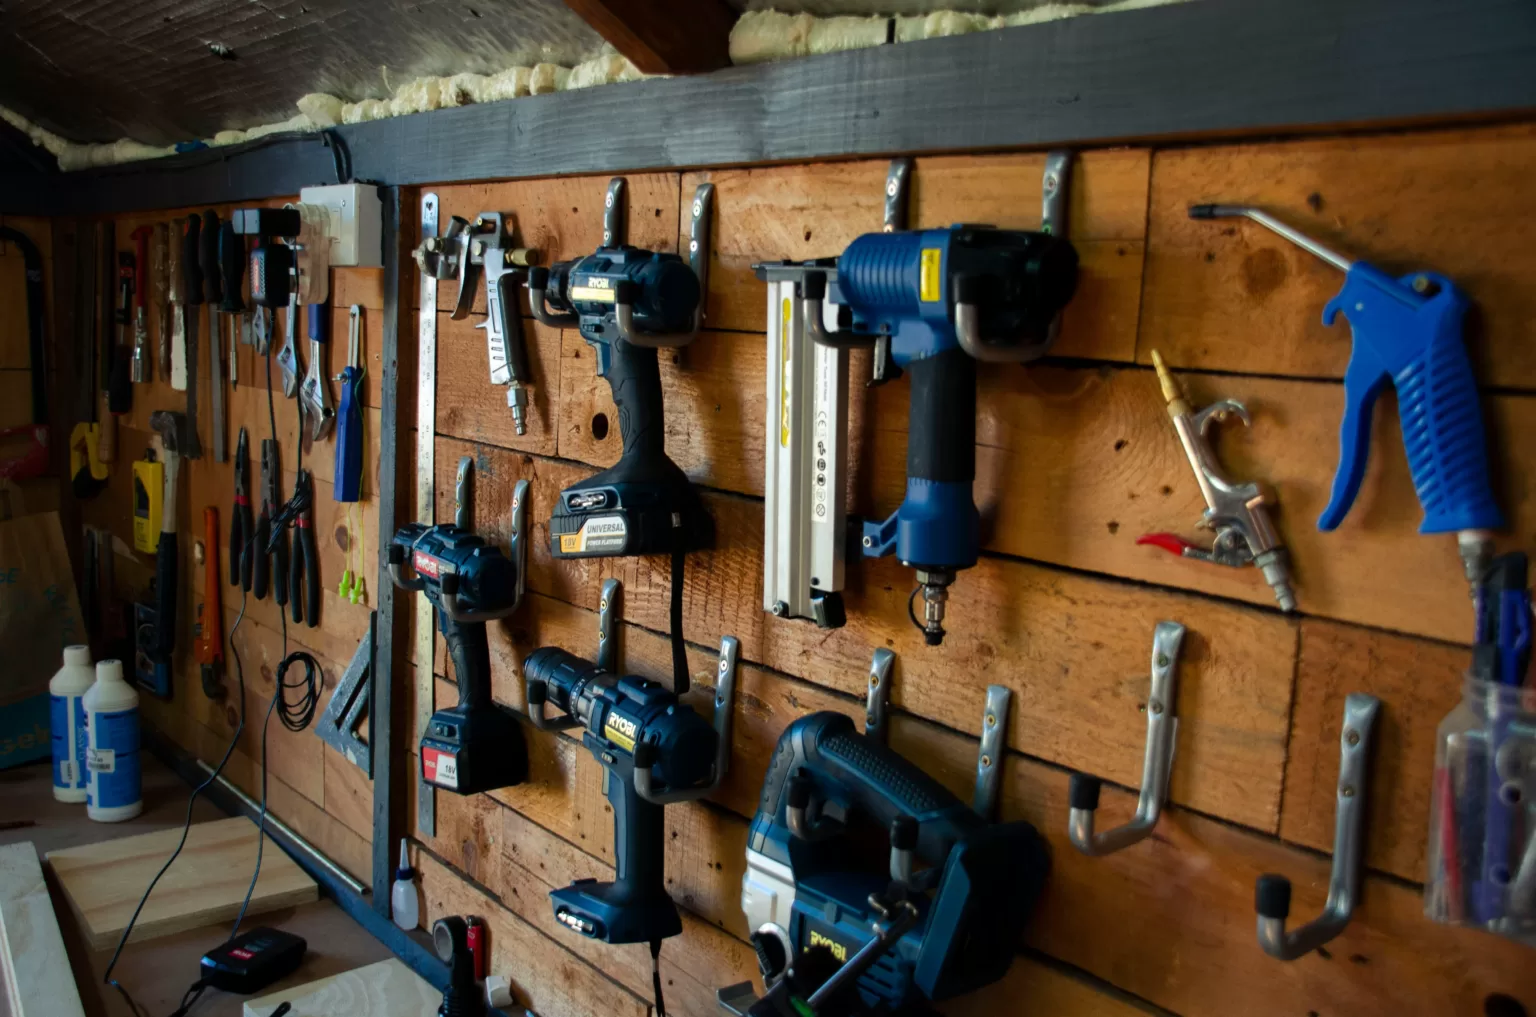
(385, 989)
(34, 969)
(206, 884)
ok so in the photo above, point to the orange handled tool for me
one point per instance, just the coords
(209, 649)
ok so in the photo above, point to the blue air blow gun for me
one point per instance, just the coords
(1407, 333)
(934, 302)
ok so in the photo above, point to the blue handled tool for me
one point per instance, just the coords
(349, 430)
(1407, 332)
(1501, 658)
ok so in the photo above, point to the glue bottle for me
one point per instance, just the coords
(112, 746)
(402, 895)
(67, 723)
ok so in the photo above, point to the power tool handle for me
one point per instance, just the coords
(639, 840)
(1415, 343)
(941, 429)
(471, 656)
(349, 437)
(634, 377)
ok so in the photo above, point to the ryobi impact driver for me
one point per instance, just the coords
(476, 745)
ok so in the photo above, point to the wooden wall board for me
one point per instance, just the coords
(1078, 677)
(386, 988)
(545, 976)
(815, 210)
(1234, 296)
(104, 881)
(474, 409)
(35, 976)
(1418, 682)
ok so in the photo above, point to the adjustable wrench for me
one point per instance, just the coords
(288, 354)
(315, 393)
(261, 329)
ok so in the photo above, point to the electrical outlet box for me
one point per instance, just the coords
(357, 223)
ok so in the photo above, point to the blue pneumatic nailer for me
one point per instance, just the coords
(1407, 333)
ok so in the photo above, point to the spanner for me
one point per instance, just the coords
(315, 394)
(260, 321)
(288, 354)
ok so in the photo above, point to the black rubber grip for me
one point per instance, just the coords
(237, 541)
(814, 287)
(191, 281)
(120, 389)
(1083, 792)
(798, 793)
(941, 430)
(208, 258)
(645, 756)
(538, 278)
(167, 574)
(903, 833)
(258, 552)
(1272, 896)
(635, 380)
(231, 268)
(296, 583)
(471, 656)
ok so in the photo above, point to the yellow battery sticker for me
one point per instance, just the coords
(784, 319)
(598, 533)
(620, 731)
(592, 293)
(931, 279)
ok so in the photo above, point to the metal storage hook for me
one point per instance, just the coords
(1272, 893)
(1156, 765)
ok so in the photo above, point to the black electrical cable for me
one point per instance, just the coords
(661, 1006)
(680, 679)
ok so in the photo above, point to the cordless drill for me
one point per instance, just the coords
(934, 302)
(626, 302)
(657, 750)
(474, 746)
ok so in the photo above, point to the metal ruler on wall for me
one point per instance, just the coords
(426, 507)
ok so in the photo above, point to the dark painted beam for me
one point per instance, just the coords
(1199, 69)
(663, 36)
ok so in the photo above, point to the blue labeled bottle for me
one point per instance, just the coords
(66, 721)
(114, 791)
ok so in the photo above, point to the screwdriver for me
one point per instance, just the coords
(349, 427)
(232, 276)
(141, 352)
(192, 299)
(213, 294)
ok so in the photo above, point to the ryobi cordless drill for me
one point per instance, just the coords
(627, 303)
(934, 302)
(474, 746)
(827, 926)
(657, 751)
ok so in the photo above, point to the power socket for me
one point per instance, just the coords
(356, 215)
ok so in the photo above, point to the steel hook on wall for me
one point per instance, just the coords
(1156, 765)
(1272, 893)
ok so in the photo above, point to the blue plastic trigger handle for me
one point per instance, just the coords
(317, 322)
(1415, 343)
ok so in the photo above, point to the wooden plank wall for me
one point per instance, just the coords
(312, 786)
(1075, 459)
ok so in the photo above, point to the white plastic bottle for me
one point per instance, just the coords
(402, 895)
(67, 722)
(112, 746)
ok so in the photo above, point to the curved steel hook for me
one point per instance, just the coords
(1156, 765)
(1272, 893)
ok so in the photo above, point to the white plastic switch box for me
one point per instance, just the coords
(357, 222)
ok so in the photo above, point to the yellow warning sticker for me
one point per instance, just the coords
(930, 287)
(784, 382)
(620, 731)
(592, 293)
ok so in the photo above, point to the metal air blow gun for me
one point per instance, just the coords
(1407, 333)
(1238, 513)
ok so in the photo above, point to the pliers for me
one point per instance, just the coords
(271, 504)
(306, 559)
(242, 531)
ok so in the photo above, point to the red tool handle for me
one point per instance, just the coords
(210, 636)
(141, 265)
(1167, 541)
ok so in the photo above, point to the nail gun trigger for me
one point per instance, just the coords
(1172, 543)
